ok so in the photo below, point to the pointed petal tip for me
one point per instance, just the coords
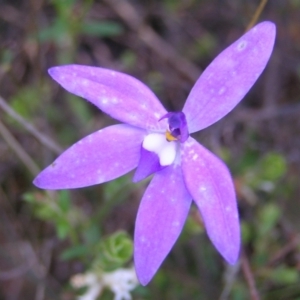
(52, 71)
(159, 221)
(36, 182)
(229, 77)
(233, 257)
(268, 26)
(230, 249)
(144, 280)
(144, 272)
(43, 183)
(56, 71)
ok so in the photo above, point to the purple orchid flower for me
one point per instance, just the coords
(157, 142)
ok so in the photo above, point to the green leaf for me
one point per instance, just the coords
(62, 228)
(92, 234)
(58, 32)
(29, 197)
(6, 57)
(246, 232)
(272, 167)
(64, 201)
(285, 275)
(102, 29)
(268, 217)
(74, 252)
(128, 59)
(44, 212)
(80, 109)
(26, 102)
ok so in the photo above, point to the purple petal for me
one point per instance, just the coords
(210, 184)
(229, 77)
(119, 95)
(161, 216)
(148, 164)
(102, 156)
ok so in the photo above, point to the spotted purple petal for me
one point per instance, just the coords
(102, 156)
(210, 184)
(229, 77)
(119, 95)
(161, 216)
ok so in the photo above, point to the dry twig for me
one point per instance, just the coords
(249, 277)
(18, 149)
(257, 13)
(46, 141)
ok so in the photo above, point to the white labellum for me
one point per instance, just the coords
(157, 143)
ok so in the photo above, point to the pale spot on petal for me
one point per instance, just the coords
(222, 90)
(104, 100)
(175, 223)
(242, 45)
(85, 82)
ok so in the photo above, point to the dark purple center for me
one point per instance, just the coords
(177, 125)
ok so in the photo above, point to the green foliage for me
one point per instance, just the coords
(191, 226)
(6, 58)
(259, 182)
(284, 275)
(113, 251)
(101, 29)
(246, 232)
(295, 3)
(271, 167)
(155, 81)
(26, 101)
(69, 23)
(75, 252)
(262, 173)
(87, 244)
(129, 59)
(268, 217)
(205, 46)
(56, 211)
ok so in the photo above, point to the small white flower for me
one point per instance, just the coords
(120, 282)
(90, 280)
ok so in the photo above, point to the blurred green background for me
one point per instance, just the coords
(46, 238)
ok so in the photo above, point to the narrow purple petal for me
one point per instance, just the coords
(161, 216)
(148, 164)
(210, 184)
(119, 95)
(229, 77)
(102, 156)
